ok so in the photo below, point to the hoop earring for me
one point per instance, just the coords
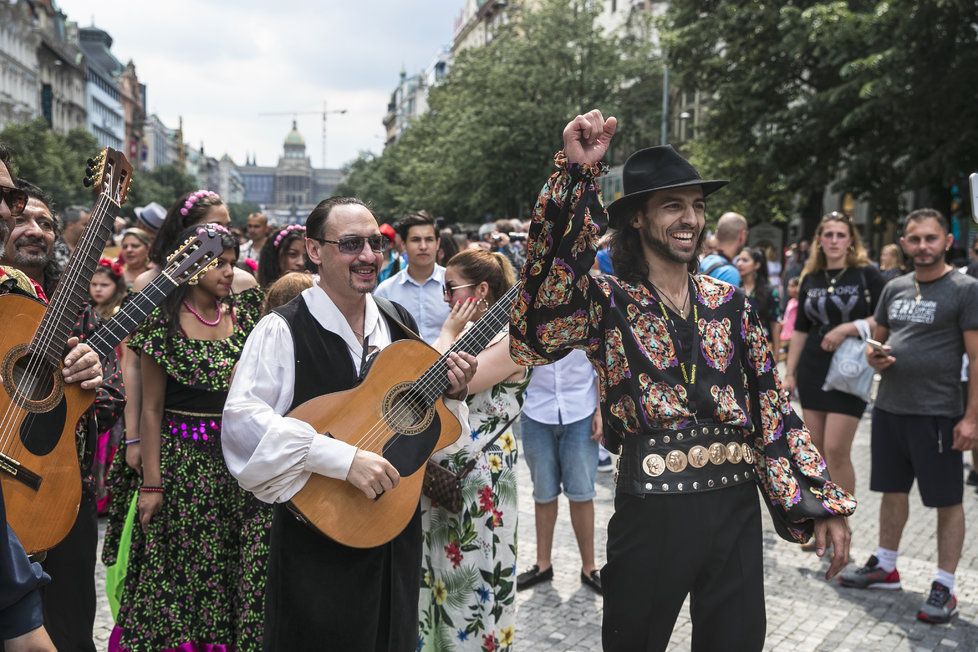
(483, 304)
(193, 280)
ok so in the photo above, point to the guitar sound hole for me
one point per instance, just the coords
(406, 410)
(34, 380)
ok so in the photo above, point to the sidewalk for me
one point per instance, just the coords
(804, 612)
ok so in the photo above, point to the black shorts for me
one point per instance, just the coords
(906, 446)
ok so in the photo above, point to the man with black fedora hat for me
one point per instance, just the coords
(690, 398)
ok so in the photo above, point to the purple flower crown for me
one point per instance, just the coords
(284, 232)
(195, 197)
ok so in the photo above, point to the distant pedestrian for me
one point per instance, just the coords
(891, 262)
(927, 319)
(731, 236)
(763, 295)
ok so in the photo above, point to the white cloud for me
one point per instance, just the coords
(220, 64)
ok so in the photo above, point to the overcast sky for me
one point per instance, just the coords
(220, 64)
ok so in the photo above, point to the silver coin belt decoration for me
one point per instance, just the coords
(704, 457)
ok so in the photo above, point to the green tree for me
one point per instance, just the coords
(54, 163)
(162, 185)
(485, 147)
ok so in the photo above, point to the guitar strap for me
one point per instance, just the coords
(392, 311)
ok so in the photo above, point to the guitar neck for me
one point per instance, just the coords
(131, 315)
(434, 382)
(71, 294)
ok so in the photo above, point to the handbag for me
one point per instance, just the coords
(850, 371)
(443, 487)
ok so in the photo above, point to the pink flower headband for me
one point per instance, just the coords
(194, 198)
(220, 228)
(287, 230)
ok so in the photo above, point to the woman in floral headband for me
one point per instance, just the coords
(284, 252)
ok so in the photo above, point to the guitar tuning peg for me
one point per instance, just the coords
(91, 162)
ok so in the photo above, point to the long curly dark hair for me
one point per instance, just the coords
(270, 258)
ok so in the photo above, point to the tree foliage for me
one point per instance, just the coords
(872, 98)
(485, 147)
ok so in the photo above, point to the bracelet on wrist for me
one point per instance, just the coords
(130, 442)
(151, 489)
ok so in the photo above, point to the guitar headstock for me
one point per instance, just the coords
(195, 255)
(109, 174)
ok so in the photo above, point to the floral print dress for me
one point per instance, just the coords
(467, 599)
(196, 580)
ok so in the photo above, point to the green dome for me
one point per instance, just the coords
(294, 138)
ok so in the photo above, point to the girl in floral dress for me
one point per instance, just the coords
(196, 576)
(467, 600)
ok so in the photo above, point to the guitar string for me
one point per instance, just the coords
(381, 428)
(44, 337)
(432, 376)
(68, 284)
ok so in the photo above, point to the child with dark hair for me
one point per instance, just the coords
(197, 562)
(282, 253)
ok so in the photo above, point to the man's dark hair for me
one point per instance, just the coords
(922, 214)
(316, 222)
(72, 214)
(421, 218)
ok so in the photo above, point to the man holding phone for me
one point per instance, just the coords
(926, 319)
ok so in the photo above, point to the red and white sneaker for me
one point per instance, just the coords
(871, 576)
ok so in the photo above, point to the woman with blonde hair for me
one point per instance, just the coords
(891, 262)
(461, 607)
(839, 287)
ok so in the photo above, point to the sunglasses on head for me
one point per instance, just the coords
(15, 199)
(353, 244)
(448, 289)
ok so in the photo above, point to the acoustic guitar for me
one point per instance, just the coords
(396, 412)
(193, 258)
(38, 410)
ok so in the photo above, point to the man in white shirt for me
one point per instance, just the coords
(257, 229)
(561, 426)
(318, 344)
(419, 287)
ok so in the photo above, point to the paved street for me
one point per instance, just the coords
(805, 614)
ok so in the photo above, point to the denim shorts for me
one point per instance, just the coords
(560, 455)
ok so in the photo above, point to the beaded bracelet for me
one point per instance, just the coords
(149, 489)
(130, 442)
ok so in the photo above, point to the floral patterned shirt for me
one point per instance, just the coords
(639, 351)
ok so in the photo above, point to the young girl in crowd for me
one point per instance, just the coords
(284, 252)
(460, 609)
(107, 290)
(285, 289)
(788, 319)
(196, 576)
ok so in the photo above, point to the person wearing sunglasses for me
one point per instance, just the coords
(318, 344)
(22, 610)
(419, 286)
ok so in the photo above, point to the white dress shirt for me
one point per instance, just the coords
(272, 455)
(563, 392)
(423, 300)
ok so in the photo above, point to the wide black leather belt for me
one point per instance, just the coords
(704, 457)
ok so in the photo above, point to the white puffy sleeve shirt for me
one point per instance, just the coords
(272, 455)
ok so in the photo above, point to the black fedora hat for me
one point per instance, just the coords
(652, 169)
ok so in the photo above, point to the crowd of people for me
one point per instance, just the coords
(676, 348)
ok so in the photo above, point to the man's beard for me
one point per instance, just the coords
(663, 249)
(24, 259)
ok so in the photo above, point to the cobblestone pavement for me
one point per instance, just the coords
(804, 612)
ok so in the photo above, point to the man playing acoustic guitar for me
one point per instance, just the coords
(321, 594)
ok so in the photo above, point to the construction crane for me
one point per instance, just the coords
(323, 113)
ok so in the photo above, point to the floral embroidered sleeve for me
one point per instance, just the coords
(557, 309)
(790, 469)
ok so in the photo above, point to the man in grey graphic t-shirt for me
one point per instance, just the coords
(927, 319)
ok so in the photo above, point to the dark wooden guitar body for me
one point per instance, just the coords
(408, 433)
(41, 480)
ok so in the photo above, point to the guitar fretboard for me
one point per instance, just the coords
(131, 315)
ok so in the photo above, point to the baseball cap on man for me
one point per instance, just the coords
(151, 215)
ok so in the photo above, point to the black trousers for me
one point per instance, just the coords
(69, 600)
(322, 595)
(663, 548)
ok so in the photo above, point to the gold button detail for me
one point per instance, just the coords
(698, 457)
(734, 454)
(654, 465)
(718, 454)
(676, 461)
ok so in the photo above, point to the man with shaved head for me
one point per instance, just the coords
(731, 236)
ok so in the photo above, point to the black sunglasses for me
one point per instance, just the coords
(353, 244)
(15, 199)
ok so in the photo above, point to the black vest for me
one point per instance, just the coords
(322, 358)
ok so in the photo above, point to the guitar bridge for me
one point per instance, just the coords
(12, 467)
